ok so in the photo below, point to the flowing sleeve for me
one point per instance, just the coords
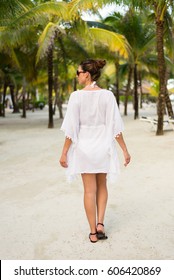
(70, 124)
(114, 121)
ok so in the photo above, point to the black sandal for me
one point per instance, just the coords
(90, 237)
(100, 233)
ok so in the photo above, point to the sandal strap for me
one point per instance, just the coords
(100, 224)
(93, 233)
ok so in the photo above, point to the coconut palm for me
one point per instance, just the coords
(8, 69)
(51, 40)
(9, 10)
(140, 36)
(160, 9)
(21, 51)
(160, 14)
(51, 16)
(12, 8)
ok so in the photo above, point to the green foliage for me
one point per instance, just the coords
(13, 8)
(29, 28)
(130, 98)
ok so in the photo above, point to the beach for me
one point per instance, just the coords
(42, 215)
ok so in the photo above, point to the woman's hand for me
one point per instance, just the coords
(127, 157)
(63, 158)
(122, 144)
(63, 161)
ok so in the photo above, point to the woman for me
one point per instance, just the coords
(91, 125)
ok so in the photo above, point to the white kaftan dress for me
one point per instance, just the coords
(92, 122)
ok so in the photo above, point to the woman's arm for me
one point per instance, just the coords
(122, 144)
(63, 158)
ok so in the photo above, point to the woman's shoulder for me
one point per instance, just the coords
(107, 92)
(73, 94)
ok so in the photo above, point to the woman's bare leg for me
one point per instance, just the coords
(102, 197)
(90, 189)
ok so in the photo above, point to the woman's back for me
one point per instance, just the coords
(92, 106)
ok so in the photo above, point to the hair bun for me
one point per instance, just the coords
(93, 66)
(100, 63)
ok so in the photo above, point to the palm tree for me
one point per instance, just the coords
(52, 19)
(21, 53)
(9, 10)
(160, 13)
(160, 9)
(8, 71)
(51, 40)
(140, 37)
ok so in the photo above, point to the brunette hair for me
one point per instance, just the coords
(93, 67)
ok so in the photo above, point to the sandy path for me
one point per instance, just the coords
(42, 216)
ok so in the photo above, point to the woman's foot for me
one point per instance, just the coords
(100, 231)
(93, 237)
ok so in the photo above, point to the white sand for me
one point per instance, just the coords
(42, 216)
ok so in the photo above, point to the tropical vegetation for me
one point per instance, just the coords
(42, 43)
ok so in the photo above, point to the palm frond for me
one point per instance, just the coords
(114, 41)
(15, 38)
(58, 9)
(14, 60)
(144, 3)
(28, 69)
(5, 39)
(73, 49)
(77, 6)
(13, 8)
(47, 39)
(80, 32)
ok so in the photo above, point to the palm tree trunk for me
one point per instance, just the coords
(135, 93)
(3, 100)
(75, 84)
(127, 90)
(28, 100)
(15, 104)
(141, 90)
(1, 103)
(117, 93)
(168, 105)
(167, 99)
(56, 89)
(50, 87)
(23, 99)
(162, 74)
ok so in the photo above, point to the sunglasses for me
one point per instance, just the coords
(78, 72)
